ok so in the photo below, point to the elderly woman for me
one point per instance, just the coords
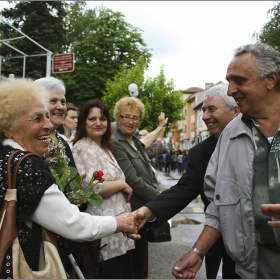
(92, 151)
(56, 104)
(131, 156)
(25, 125)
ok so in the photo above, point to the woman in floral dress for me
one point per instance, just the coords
(92, 151)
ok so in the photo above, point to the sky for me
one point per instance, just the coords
(192, 40)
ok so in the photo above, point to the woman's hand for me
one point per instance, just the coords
(127, 192)
(129, 224)
(162, 121)
(126, 223)
(77, 202)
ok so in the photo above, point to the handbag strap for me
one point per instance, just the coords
(12, 183)
(47, 234)
(8, 229)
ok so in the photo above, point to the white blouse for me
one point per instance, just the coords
(57, 214)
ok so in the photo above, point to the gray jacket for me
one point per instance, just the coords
(229, 185)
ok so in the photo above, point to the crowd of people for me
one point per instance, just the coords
(235, 171)
(171, 160)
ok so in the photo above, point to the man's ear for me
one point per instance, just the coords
(236, 111)
(272, 79)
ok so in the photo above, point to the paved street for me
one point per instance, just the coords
(187, 226)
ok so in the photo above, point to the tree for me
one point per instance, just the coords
(107, 42)
(43, 21)
(100, 38)
(157, 94)
(270, 32)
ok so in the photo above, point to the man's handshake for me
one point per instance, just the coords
(141, 216)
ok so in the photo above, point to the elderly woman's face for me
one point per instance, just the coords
(34, 127)
(57, 107)
(129, 121)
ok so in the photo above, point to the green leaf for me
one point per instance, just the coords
(63, 180)
(95, 199)
(73, 172)
(88, 192)
(76, 184)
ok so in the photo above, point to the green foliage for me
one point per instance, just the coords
(107, 43)
(43, 21)
(270, 32)
(68, 179)
(157, 94)
(75, 191)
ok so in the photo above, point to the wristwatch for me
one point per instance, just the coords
(198, 252)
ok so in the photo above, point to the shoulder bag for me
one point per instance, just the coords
(12, 262)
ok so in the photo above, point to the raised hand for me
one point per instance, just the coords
(272, 210)
(162, 121)
(187, 266)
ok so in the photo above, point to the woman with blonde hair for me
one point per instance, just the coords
(131, 156)
(25, 126)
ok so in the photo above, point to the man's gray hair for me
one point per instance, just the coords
(221, 91)
(51, 83)
(267, 58)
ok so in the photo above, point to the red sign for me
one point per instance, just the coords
(63, 63)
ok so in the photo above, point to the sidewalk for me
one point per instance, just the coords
(173, 174)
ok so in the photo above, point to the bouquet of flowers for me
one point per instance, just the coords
(68, 179)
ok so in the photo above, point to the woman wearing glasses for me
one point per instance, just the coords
(92, 151)
(131, 156)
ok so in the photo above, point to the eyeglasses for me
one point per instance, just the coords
(128, 118)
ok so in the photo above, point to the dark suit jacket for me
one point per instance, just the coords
(172, 201)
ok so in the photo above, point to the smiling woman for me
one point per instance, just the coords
(131, 156)
(27, 121)
(25, 126)
(92, 151)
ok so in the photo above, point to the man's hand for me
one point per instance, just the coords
(162, 121)
(142, 215)
(272, 210)
(145, 214)
(187, 266)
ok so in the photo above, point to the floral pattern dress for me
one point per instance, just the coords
(89, 157)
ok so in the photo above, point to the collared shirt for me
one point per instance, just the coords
(266, 190)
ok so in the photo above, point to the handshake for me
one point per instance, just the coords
(130, 223)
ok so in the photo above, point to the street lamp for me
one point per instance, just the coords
(133, 90)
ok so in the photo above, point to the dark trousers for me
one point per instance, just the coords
(173, 165)
(167, 167)
(120, 267)
(140, 256)
(213, 260)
